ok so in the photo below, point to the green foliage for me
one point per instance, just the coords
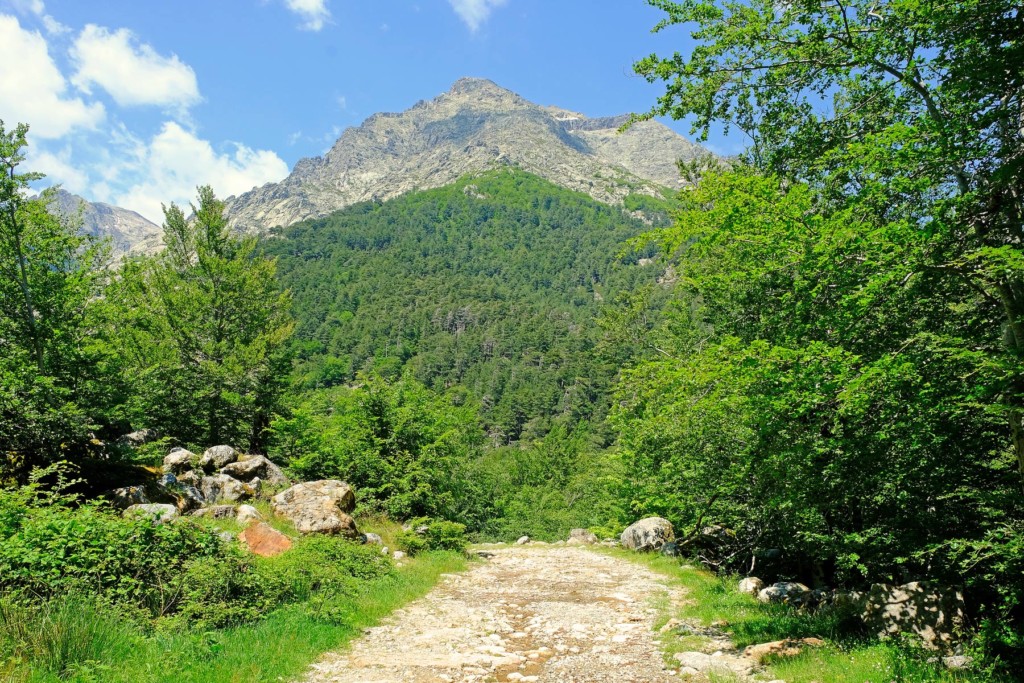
(50, 544)
(490, 286)
(202, 328)
(55, 383)
(857, 305)
(71, 635)
(432, 534)
(405, 448)
(545, 488)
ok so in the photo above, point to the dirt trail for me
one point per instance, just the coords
(530, 613)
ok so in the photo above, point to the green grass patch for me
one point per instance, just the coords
(850, 655)
(279, 647)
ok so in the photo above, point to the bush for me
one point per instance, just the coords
(49, 547)
(426, 534)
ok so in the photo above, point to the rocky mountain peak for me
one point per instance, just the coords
(128, 231)
(474, 126)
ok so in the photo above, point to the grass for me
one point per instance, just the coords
(849, 656)
(86, 646)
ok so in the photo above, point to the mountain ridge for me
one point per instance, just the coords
(130, 233)
(473, 127)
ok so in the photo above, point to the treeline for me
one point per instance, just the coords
(189, 343)
(491, 286)
(842, 380)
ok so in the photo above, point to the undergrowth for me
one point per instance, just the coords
(849, 656)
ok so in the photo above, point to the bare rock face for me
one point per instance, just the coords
(249, 467)
(264, 540)
(217, 457)
(476, 126)
(318, 507)
(647, 534)
(921, 609)
(128, 231)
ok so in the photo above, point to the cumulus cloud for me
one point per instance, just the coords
(176, 161)
(132, 72)
(475, 12)
(58, 169)
(38, 8)
(32, 88)
(314, 13)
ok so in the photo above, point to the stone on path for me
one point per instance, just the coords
(531, 613)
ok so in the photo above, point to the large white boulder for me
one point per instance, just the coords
(318, 507)
(648, 534)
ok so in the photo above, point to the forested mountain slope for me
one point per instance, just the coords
(493, 283)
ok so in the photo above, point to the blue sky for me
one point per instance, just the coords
(135, 102)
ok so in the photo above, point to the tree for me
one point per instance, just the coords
(911, 108)
(52, 385)
(202, 327)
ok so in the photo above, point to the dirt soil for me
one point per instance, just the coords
(529, 613)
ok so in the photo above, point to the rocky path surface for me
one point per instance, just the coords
(529, 613)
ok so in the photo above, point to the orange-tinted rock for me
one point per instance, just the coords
(264, 540)
(780, 648)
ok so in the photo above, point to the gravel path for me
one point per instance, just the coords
(529, 613)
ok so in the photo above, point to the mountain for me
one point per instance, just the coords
(474, 127)
(492, 286)
(129, 232)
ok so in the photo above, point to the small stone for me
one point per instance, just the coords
(247, 514)
(523, 540)
(398, 555)
(751, 585)
(957, 662)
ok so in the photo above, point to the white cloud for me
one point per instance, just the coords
(38, 8)
(176, 161)
(475, 12)
(58, 169)
(133, 73)
(313, 12)
(32, 89)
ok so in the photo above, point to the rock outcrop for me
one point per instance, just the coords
(474, 127)
(931, 614)
(647, 534)
(128, 231)
(318, 507)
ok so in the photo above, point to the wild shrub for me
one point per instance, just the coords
(426, 534)
(50, 545)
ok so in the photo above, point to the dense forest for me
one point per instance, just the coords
(809, 360)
